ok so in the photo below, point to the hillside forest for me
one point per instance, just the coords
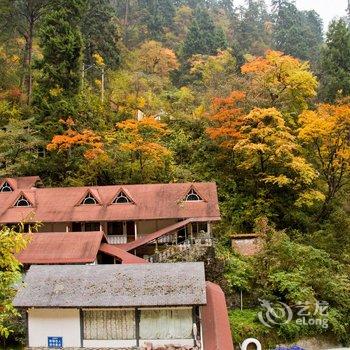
(255, 98)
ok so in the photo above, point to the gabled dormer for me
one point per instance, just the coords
(90, 198)
(193, 195)
(22, 201)
(6, 187)
(122, 198)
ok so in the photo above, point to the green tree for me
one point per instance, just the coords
(100, 33)
(21, 18)
(253, 31)
(60, 68)
(203, 36)
(298, 33)
(335, 62)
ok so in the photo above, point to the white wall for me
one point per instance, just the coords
(109, 343)
(43, 323)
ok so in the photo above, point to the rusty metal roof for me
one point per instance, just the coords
(62, 248)
(151, 201)
(71, 286)
(23, 182)
(123, 256)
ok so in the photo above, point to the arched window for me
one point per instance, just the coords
(6, 187)
(121, 198)
(89, 199)
(22, 202)
(193, 196)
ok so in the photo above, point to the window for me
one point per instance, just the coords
(6, 187)
(115, 228)
(77, 227)
(89, 199)
(120, 228)
(121, 198)
(197, 227)
(193, 196)
(92, 226)
(22, 202)
(166, 324)
(109, 324)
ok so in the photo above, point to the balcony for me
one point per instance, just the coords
(117, 239)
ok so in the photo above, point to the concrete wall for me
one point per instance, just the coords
(43, 323)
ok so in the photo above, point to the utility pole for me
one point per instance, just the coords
(103, 84)
(102, 69)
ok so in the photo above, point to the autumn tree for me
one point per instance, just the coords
(87, 141)
(217, 74)
(142, 142)
(153, 58)
(11, 242)
(327, 131)
(264, 155)
(280, 81)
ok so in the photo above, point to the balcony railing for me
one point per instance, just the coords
(117, 239)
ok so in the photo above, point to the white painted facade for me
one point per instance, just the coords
(44, 323)
(66, 323)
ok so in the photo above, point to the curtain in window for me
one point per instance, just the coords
(166, 324)
(109, 324)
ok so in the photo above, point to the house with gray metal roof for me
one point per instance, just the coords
(123, 306)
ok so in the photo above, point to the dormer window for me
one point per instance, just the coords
(122, 198)
(89, 199)
(192, 195)
(22, 202)
(6, 187)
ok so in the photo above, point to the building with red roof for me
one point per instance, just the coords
(138, 218)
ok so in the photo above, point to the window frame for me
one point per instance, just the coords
(6, 185)
(22, 198)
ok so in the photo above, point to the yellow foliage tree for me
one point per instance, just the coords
(141, 140)
(153, 58)
(327, 131)
(11, 242)
(264, 147)
(281, 81)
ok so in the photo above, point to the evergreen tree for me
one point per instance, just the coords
(61, 43)
(203, 37)
(159, 16)
(297, 33)
(253, 32)
(335, 62)
(99, 30)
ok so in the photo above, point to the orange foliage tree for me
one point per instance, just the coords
(142, 141)
(281, 81)
(265, 148)
(327, 131)
(87, 140)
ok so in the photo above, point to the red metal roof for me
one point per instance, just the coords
(162, 232)
(152, 201)
(24, 182)
(216, 325)
(62, 248)
(120, 254)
